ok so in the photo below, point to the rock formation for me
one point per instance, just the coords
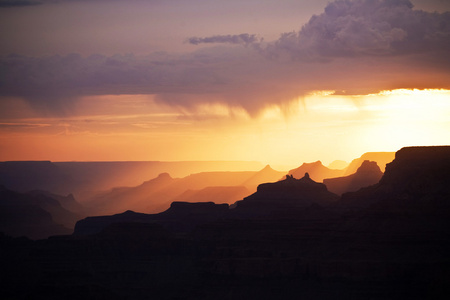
(286, 195)
(316, 170)
(34, 216)
(181, 216)
(386, 241)
(367, 174)
(381, 158)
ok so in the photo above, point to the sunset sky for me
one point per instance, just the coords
(276, 81)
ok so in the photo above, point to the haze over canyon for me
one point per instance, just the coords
(240, 149)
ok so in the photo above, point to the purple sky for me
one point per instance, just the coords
(246, 55)
(144, 26)
(249, 54)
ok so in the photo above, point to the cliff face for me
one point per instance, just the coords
(367, 174)
(419, 170)
(416, 181)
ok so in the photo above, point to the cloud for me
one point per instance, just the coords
(16, 3)
(23, 125)
(367, 28)
(238, 77)
(432, 5)
(353, 47)
(241, 39)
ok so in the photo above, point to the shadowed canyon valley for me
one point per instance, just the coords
(377, 229)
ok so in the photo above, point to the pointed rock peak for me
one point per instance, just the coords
(127, 213)
(267, 168)
(306, 176)
(290, 177)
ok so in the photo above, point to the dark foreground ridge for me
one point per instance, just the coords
(290, 240)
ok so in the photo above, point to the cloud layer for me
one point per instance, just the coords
(354, 47)
(239, 39)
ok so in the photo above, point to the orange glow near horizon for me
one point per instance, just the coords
(321, 126)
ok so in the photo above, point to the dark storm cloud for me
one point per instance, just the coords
(367, 28)
(242, 39)
(53, 81)
(354, 47)
(15, 3)
(237, 77)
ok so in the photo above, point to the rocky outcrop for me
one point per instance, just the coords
(286, 195)
(316, 170)
(367, 174)
(381, 158)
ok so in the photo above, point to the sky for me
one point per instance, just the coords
(281, 82)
